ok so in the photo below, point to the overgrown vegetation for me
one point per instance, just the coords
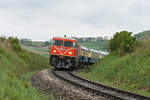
(122, 42)
(15, 43)
(17, 65)
(130, 71)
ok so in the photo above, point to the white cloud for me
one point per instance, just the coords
(42, 19)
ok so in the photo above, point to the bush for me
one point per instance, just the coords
(15, 43)
(122, 43)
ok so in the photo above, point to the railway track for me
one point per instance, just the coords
(98, 89)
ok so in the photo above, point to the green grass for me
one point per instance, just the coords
(38, 43)
(130, 72)
(39, 50)
(16, 68)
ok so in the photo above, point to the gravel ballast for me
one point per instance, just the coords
(46, 82)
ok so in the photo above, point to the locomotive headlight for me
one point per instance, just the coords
(54, 51)
(70, 52)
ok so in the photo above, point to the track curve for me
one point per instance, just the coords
(98, 89)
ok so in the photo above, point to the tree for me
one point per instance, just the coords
(46, 43)
(122, 42)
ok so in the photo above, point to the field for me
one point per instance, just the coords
(130, 72)
(17, 66)
(40, 50)
(37, 43)
(97, 45)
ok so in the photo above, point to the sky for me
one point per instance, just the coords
(44, 19)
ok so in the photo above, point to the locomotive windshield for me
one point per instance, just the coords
(68, 44)
(59, 42)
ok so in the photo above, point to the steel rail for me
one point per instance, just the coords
(131, 94)
(98, 89)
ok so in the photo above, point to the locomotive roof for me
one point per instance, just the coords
(70, 38)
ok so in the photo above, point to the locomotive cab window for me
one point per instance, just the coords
(59, 42)
(68, 44)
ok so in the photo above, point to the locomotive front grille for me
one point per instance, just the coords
(62, 61)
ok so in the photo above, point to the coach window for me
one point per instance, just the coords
(59, 42)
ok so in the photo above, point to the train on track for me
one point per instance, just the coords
(68, 53)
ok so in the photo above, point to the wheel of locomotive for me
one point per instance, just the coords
(57, 68)
(70, 69)
(80, 65)
(54, 61)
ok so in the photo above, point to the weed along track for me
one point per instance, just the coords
(98, 89)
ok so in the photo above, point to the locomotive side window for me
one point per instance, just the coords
(59, 42)
(68, 44)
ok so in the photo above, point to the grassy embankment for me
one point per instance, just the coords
(130, 72)
(16, 67)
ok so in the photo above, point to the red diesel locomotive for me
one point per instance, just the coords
(67, 53)
(64, 53)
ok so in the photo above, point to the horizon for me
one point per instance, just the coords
(108, 37)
